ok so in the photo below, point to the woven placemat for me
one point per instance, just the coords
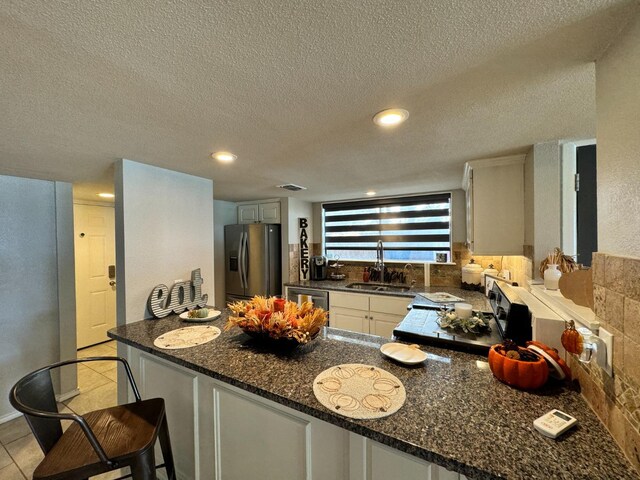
(359, 391)
(187, 337)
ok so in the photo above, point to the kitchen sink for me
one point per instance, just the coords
(378, 287)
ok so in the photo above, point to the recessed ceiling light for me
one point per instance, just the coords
(226, 157)
(390, 117)
(371, 193)
(106, 195)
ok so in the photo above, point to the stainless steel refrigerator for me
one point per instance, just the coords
(252, 257)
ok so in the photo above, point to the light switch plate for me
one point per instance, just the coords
(607, 362)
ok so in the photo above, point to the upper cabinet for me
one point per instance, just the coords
(495, 205)
(259, 212)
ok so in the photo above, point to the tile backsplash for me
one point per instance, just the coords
(520, 266)
(616, 400)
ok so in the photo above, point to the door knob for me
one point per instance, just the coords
(112, 283)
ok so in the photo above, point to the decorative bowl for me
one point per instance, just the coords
(526, 375)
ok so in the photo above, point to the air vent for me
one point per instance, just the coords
(292, 187)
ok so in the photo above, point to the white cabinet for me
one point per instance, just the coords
(259, 212)
(375, 314)
(248, 213)
(222, 432)
(495, 205)
(269, 212)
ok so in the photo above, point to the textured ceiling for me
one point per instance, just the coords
(290, 87)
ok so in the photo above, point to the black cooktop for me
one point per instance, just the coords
(421, 326)
(510, 318)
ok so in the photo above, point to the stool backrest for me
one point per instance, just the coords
(36, 391)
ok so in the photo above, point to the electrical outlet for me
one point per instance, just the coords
(607, 361)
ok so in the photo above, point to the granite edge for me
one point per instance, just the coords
(339, 421)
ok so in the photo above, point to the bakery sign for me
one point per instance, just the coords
(182, 296)
(303, 227)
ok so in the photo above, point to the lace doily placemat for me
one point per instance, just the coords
(187, 337)
(359, 391)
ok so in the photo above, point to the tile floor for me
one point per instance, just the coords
(19, 451)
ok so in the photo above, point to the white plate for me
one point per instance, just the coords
(407, 354)
(213, 314)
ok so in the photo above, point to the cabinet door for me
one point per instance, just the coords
(269, 212)
(383, 325)
(496, 206)
(349, 319)
(248, 213)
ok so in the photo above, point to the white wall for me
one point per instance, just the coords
(529, 223)
(618, 144)
(548, 198)
(37, 291)
(297, 209)
(224, 213)
(164, 230)
(291, 209)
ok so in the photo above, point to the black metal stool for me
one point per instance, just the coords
(98, 442)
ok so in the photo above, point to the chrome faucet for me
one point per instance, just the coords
(380, 259)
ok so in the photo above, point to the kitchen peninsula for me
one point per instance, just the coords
(237, 409)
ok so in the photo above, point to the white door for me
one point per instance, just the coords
(94, 230)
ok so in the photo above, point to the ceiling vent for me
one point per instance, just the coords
(292, 187)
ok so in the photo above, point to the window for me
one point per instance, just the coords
(411, 228)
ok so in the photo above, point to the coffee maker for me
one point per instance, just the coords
(319, 267)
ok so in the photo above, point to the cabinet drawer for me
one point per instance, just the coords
(393, 305)
(349, 300)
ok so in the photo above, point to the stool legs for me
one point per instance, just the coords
(165, 445)
(143, 467)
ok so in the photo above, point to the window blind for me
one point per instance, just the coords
(411, 228)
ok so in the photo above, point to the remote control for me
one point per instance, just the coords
(554, 423)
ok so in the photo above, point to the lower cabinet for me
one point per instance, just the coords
(224, 433)
(375, 314)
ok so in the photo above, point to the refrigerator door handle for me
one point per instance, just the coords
(241, 259)
(244, 260)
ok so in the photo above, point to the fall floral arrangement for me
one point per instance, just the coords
(476, 323)
(277, 319)
(565, 263)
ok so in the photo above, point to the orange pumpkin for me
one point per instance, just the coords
(517, 373)
(571, 339)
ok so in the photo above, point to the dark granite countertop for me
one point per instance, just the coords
(456, 414)
(477, 300)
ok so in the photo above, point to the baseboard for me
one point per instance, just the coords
(9, 416)
(67, 395)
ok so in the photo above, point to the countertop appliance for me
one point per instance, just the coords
(319, 267)
(252, 260)
(509, 318)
